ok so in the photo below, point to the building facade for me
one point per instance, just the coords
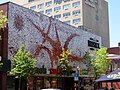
(89, 15)
(44, 37)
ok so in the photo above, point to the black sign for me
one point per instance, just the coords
(93, 44)
(5, 65)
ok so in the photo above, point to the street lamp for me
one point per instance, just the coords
(78, 69)
(0, 58)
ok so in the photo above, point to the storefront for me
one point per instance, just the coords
(50, 81)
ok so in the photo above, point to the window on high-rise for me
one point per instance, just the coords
(57, 1)
(57, 8)
(57, 16)
(67, 6)
(41, 12)
(40, 6)
(67, 22)
(66, 14)
(76, 12)
(30, 0)
(48, 10)
(76, 4)
(33, 7)
(66, 0)
(75, 21)
(48, 3)
(50, 16)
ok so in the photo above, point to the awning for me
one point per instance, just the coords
(111, 77)
(114, 58)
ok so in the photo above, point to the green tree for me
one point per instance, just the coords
(100, 61)
(64, 62)
(88, 60)
(23, 64)
(3, 19)
(23, 67)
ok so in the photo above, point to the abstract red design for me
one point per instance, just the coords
(54, 54)
(18, 22)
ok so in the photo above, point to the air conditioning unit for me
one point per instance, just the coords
(76, 6)
(56, 11)
(66, 16)
(76, 14)
(76, 23)
(66, 9)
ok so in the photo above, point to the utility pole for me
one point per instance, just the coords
(3, 54)
(3, 49)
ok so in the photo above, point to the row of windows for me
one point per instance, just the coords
(68, 22)
(55, 1)
(75, 21)
(31, 0)
(67, 6)
(66, 14)
(60, 1)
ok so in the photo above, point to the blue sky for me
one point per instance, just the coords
(114, 21)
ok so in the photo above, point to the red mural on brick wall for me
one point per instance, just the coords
(18, 22)
(54, 54)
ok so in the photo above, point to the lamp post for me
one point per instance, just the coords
(76, 79)
(0, 58)
(78, 71)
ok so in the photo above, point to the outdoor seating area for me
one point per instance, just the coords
(109, 81)
(53, 82)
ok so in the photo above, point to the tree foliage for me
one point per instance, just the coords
(3, 19)
(88, 60)
(100, 60)
(23, 64)
(64, 62)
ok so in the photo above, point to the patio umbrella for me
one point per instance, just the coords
(111, 77)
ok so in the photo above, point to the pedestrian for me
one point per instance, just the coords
(82, 88)
(106, 88)
(53, 84)
(112, 88)
(47, 84)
